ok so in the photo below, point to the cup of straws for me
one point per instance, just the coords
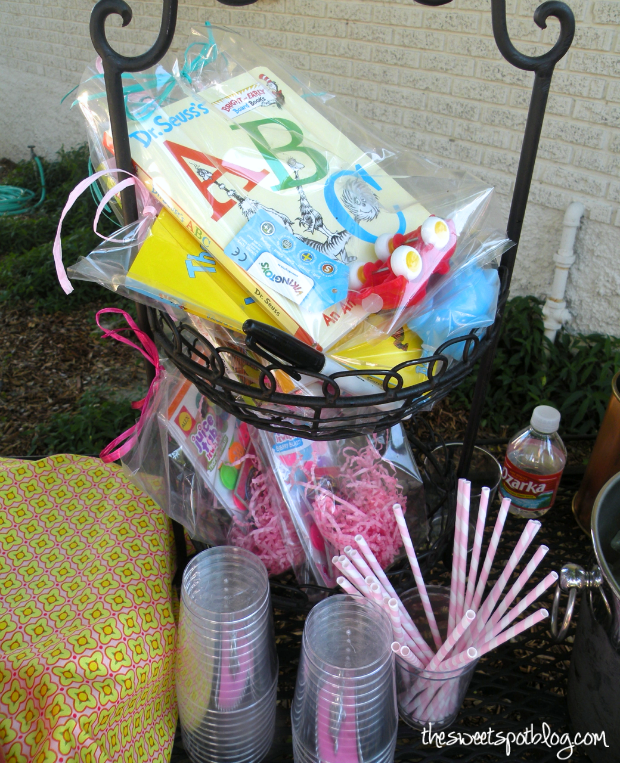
(227, 668)
(344, 709)
(440, 634)
(436, 692)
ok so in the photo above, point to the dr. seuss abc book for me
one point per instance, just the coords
(276, 194)
(172, 266)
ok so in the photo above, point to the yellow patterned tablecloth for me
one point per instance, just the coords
(86, 624)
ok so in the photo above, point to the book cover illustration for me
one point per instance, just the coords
(251, 145)
(171, 265)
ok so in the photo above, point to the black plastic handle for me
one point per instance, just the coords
(283, 346)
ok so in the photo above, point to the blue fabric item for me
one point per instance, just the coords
(466, 302)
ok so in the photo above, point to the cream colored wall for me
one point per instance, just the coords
(432, 78)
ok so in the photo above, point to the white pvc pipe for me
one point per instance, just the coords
(555, 311)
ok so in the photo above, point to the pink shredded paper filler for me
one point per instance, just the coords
(367, 488)
(265, 538)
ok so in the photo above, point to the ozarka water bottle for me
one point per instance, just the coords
(534, 463)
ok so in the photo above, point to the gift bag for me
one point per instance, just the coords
(336, 490)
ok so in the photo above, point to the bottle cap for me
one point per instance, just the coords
(546, 419)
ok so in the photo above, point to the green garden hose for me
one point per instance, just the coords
(20, 201)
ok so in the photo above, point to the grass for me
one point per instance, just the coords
(27, 272)
(573, 374)
(29, 283)
(93, 424)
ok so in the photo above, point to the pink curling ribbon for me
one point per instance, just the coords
(149, 211)
(125, 442)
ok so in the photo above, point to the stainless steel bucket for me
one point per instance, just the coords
(594, 677)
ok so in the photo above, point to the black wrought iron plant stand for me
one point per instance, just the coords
(332, 415)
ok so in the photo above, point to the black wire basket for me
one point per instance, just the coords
(332, 416)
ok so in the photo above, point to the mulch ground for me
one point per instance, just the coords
(47, 362)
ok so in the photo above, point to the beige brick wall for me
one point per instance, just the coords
(432, 78)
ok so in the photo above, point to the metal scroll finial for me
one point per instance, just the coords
(114, 64)
(110, 57)
(548, 60)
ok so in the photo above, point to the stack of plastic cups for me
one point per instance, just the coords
(344, 710)
(227, 668)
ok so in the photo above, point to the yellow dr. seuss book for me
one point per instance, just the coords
(171, 265)
(251, 146)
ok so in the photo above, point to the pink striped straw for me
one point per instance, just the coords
(377, 596)
(352, 575)
(411, 633)
(359, 561)
(397, 628)
(517, 586)
(454, 583)
(469, 655)
(525, 602)
(448, 645)
(347, 587)
(475, 554)
(485, 611)
(513, 631)
(410, 657)
(374, 564)
(407, 655)
(406, 620)
(417, 573)
(370, 579)
(462, 522)
(488, 560)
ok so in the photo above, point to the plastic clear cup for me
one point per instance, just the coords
(426, 696)
(199, 752)
(346, 644)
(249, 672)
(225, 586)
(250, 736)
(255, 618)
(237, 718)
(236, 736)
(344, 637)
(484, 471)
(229, 716)
(230, 643)
(247, 732)
(225, 583)
(302, 755)
(364, 688)
(226, 673)
(213, 632)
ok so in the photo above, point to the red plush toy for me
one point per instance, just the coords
(406, 262)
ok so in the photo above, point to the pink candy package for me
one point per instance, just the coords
(335, 490)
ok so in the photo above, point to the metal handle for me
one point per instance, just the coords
(573, 578)
(572, 597)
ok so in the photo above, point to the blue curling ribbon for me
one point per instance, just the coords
(207, 54)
